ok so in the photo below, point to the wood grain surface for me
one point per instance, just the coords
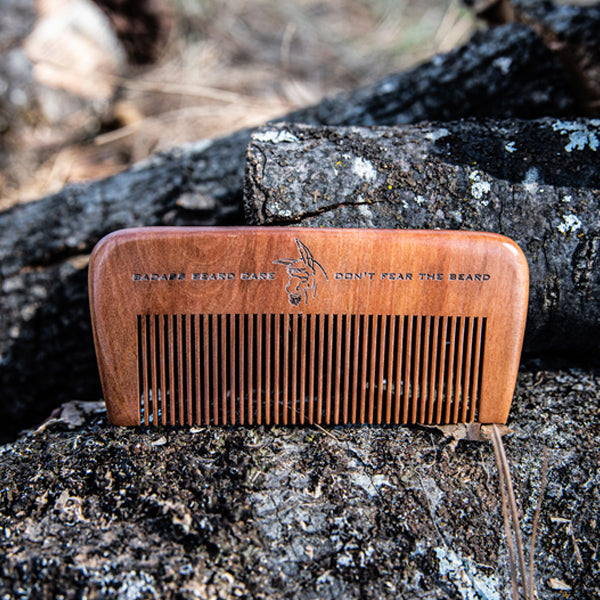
(295, 325)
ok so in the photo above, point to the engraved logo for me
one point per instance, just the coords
(302, 275)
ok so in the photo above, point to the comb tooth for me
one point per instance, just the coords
(286, 365)
(293, 399)
(209, 368)
(176, 369)
(355, 357)
(372, 354)
(302, 374)
(242, 362)
(381, 360)
(181, 372)
(319, 368)
(179, 367)
(399, 353)
(347, 348)
(205, 368)
(259, 347)
(189, 369)
(214, 372)
(335, 369)
(161, 366)
(458, 391)
(416, 369)
(231, 355)
(425, 365)
(197, 346)
(389, 373)
(364, 367)
(277, 366)
(433, 369)
(141, 372)
(450, 398)
(149, 372)
(156, 394)
(477, 366)
(312, 368)
(250, 360)
(467, 371)
(441, 369)
(329, 369)
(221, 366)
(408, 358)
(267, 367)
(169, 368)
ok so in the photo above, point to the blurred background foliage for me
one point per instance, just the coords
(88, 87)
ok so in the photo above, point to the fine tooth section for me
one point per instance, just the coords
(319, 368)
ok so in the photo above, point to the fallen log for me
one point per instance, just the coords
(89, 510)
(46, 353)
(534, 181)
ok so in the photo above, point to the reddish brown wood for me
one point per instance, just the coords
(261, 325)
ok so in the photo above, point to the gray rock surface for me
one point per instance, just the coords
(535, 181)
(89, 510)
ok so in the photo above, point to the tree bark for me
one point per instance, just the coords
(534, 181)
(46, 353)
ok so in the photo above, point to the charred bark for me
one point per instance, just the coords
(534, 181)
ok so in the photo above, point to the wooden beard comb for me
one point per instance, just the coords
(296, 326)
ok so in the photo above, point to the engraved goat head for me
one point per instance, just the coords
(302, 274)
